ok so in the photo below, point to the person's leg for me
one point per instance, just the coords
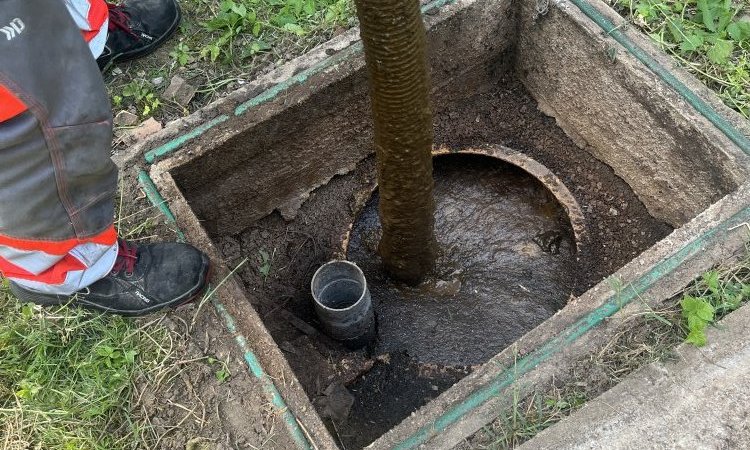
(57, 181)
(92, 18)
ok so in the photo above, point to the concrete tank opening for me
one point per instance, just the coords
(511, 242)
(286, 167)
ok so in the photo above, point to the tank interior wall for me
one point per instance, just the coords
(299, 145)
(614, 107)
(611, 105)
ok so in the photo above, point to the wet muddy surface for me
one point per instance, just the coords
(618, 224)
(506, 262)
(362, 394)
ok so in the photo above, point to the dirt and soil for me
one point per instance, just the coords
(205, 398)
(198, 410)
(618, 226)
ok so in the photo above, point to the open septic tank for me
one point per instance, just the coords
(566, 152)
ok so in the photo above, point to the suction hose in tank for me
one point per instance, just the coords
(394, 42)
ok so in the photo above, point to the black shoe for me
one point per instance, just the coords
(144, 279)
(137, 28)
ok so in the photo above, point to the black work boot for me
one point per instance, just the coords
(137, 28)
(144, 279)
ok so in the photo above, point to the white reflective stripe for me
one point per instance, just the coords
(100, 260)
(90, 252)
(79, 10)
(36, 261)
(97, 44)
(32, 261)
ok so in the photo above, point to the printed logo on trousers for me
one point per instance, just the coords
(13, 29)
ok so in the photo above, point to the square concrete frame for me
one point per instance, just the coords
(681, 150)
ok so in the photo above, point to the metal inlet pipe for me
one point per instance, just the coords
(343, 303)
(394, 39)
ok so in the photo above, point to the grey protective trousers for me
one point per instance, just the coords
(57, 181)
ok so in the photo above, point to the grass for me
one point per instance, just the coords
(644, 337)
(69, 379)
(710, 38)
(529, 417)
(220, 45)
(74, 380)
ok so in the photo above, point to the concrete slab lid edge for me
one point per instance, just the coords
(650, 407)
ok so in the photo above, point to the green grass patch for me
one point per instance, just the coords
(529, 417)
(140, 95)
(716, 294)
(69, 379)
(710, 38)
(222, 44)
(240, 29)
(72, 379)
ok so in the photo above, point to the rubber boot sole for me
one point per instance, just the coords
(26, 296)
